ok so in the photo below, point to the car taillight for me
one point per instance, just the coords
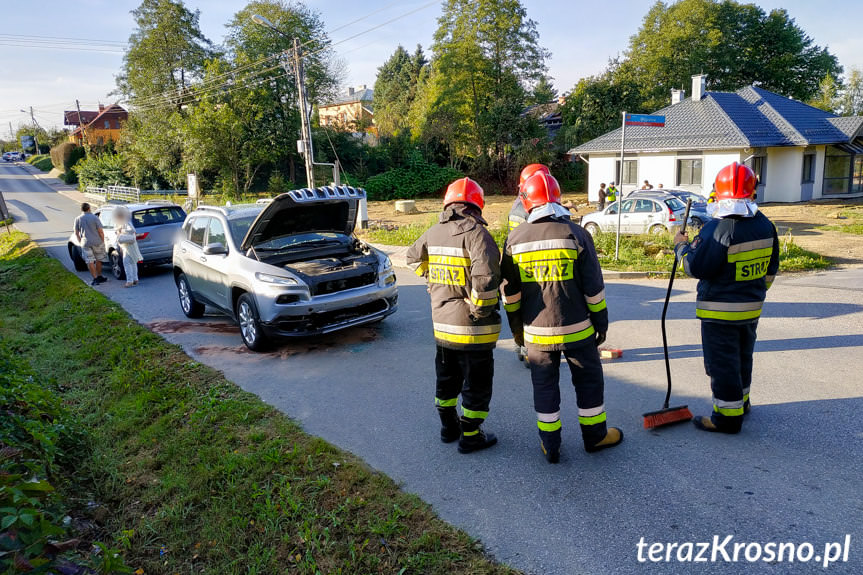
(142, 236)
(671, 217)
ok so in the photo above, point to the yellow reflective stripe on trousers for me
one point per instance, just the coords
(546, 338)
(445, 402)
(593, 420)
(552, 426)
(728, 411)
(729, 311)
(471, 414)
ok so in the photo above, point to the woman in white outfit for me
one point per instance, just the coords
(128, 244)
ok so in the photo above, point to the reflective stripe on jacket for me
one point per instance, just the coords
(736, 260)
(517, 214)
(552, 284)
(460, 260)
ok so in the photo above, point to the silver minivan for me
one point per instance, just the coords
(287, 267)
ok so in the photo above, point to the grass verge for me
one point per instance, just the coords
(194, 474)
(852, 222)
(41, 161)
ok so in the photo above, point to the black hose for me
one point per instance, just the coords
(665, 310)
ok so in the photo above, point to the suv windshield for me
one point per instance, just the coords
(158, 216)
(240, 227)
(300, 240)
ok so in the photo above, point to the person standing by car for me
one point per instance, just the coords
(611, 194)
(554, 297)
(736, 258)
(91, 238)
(460, 260)
(602, 194)
(128, 243)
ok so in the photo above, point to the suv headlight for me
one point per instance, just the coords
(386, 263)
(277, 280)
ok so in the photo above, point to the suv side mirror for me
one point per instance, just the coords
(215, 249)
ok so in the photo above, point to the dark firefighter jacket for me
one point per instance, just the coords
(736, 259)
(517, 214)
(552, 285)
(461, 263)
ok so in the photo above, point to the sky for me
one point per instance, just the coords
(581, 35)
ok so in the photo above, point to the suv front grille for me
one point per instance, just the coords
(342, 284)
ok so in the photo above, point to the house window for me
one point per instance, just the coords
(758, 167)
(808, 169)
(843, 172)
(689, 172)
(107, 124)
(630, 171)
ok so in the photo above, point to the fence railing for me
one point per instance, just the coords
(95, 194)
(124, 193)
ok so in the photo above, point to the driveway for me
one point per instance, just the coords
(795, 473)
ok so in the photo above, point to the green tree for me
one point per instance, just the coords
(486, 59)
(828, 91)
(396, 90)
(849, 101)
(734, 44)
(167, 52)
(544, 91)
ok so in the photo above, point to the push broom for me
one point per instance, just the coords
(668, 415)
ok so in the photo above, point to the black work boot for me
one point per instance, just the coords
(613, 437)
(707, 423)
(450, 429)
(475, 440)
(550, 444)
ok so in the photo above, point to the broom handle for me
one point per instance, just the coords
(665, 310)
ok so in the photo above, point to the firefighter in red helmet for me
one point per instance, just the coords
(517, 213)
(460, 261)
(735, 256)
(554, 297)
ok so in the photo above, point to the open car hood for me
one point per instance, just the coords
(328, 209)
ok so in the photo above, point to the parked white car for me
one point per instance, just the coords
(640, 215)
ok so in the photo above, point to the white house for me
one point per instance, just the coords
(798, 152)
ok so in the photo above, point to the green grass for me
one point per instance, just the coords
(854, 217)
(41, 161)
(196, 475)
(793, 258)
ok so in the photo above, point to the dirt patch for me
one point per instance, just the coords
(804, 221)
(347, 340)
(175, 326)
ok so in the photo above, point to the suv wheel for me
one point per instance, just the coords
(77, 258)
(117, 268)
(250, 324)
(191, 307)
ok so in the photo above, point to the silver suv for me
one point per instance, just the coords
(157, 223)
(286, 267)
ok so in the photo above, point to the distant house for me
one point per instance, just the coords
(548, 115)
(798, 152)
(100, 126)
(351, 111)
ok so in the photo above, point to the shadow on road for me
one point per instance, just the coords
(31, 214)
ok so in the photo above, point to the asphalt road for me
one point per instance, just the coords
(795, 473)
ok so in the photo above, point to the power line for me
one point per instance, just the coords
(63, 39)
(106, 49)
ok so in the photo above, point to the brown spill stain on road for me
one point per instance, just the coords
(348, 340)
(175, 326)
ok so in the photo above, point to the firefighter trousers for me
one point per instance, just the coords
(586, 370)
(469, 373)
(728, 351)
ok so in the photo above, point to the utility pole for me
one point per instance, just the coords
(305, 126)
(81, 125)
(35, 138)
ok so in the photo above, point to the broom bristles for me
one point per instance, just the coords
(666, 416)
